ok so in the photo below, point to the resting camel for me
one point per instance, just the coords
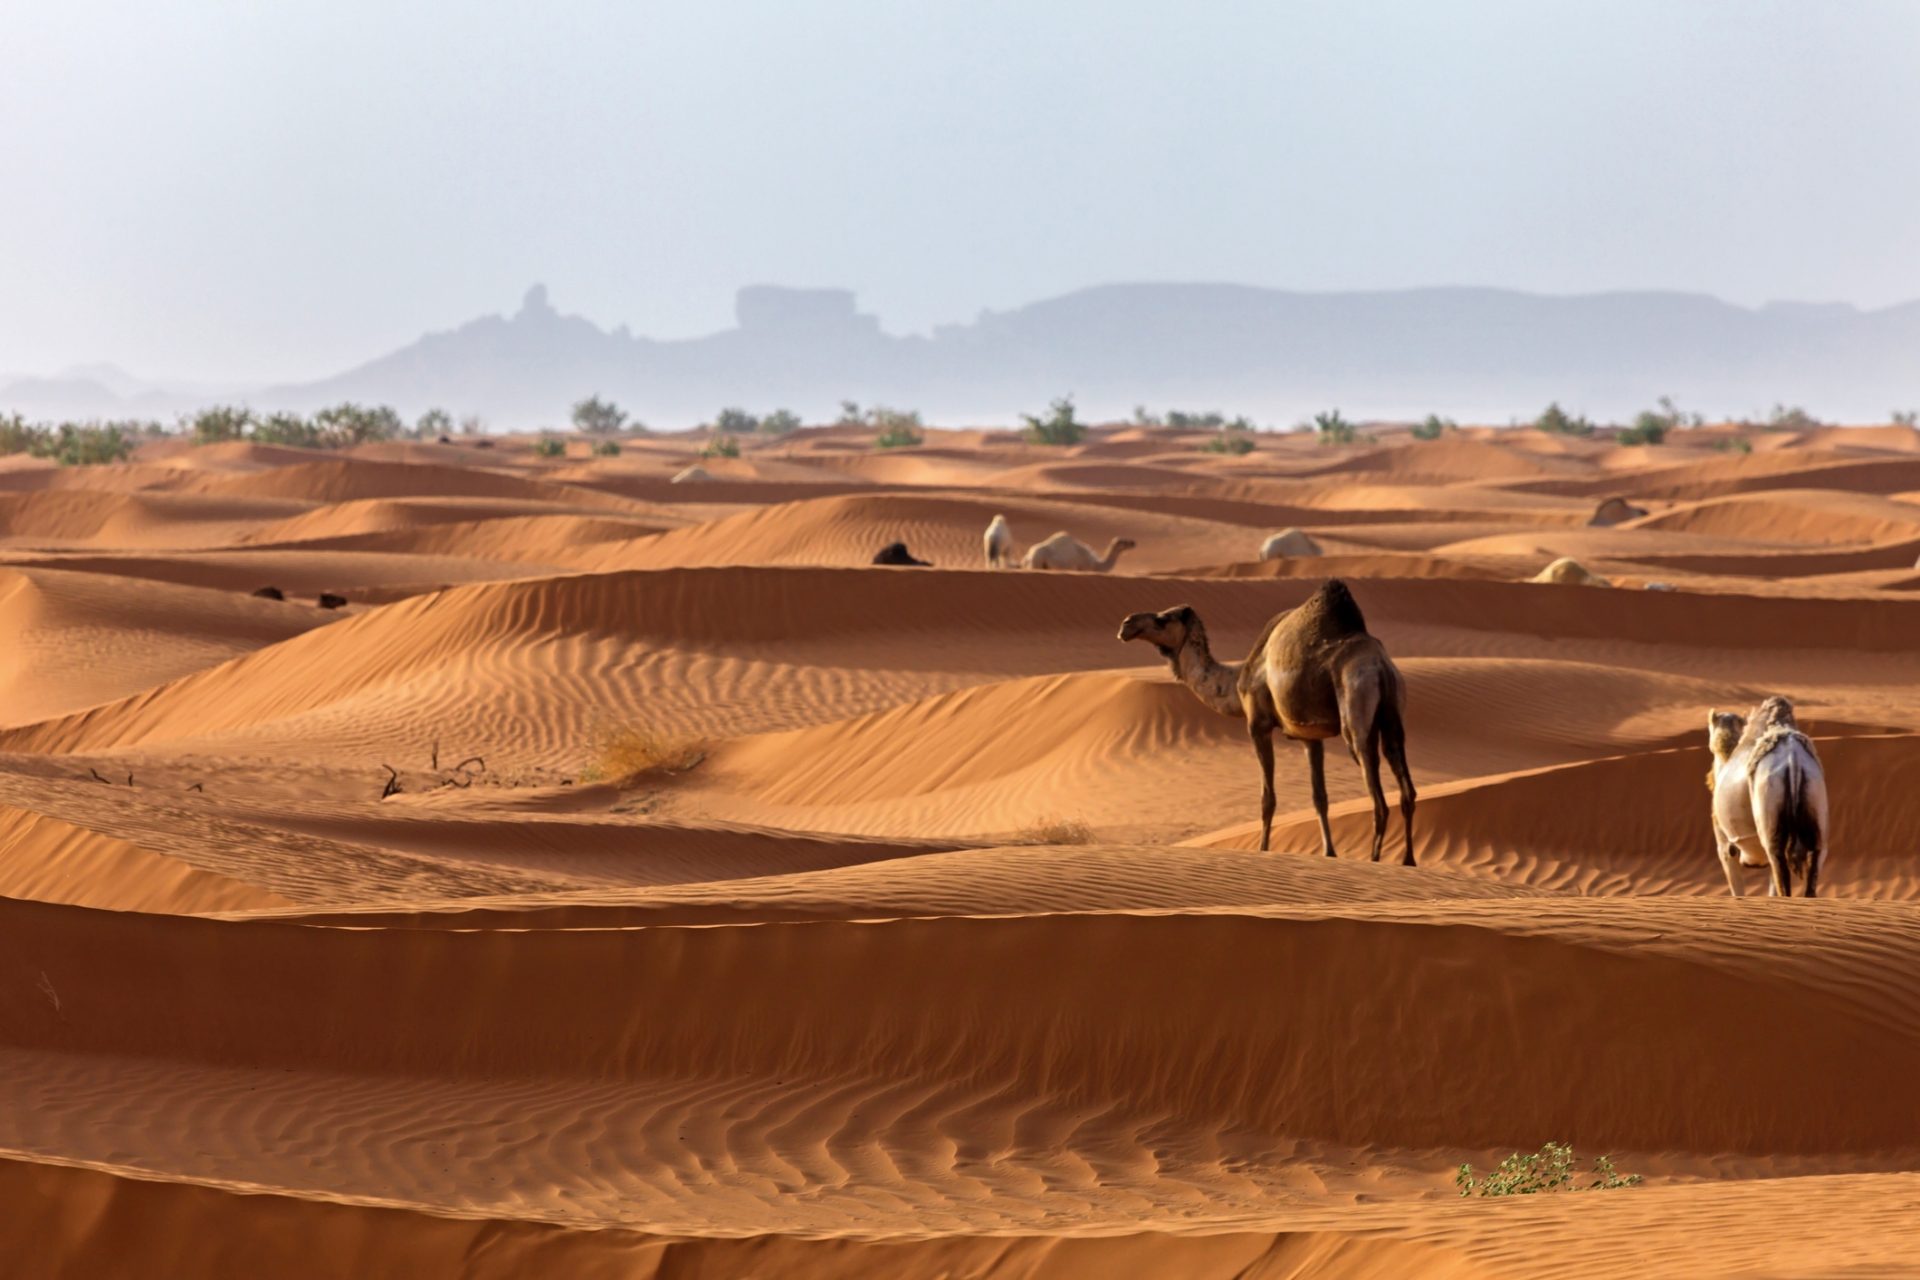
(1570, 572)
(1288, 542)
(1614, 511)
(1769, 797)
(999, 544)
(1064, 551)
(1313, 674)
(896, 553)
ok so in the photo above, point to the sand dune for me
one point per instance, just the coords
(632, 881)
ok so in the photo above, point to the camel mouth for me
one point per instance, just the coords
(1131, 628)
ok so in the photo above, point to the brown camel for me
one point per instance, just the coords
(1313, 674)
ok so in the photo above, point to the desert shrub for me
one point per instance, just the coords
(1143, 418)
(342, 425)
(721, 446)
(84, 444)
(1557, 421)
(598, 417)
(621, 752)
(897, 428)
(221, 422)
(1434, 427)
(1056, 830)
(1547, 1170)
(779, 422)
(849, 414)
(606, 448)
(549, 446)
(1234, 437)
(17, 435)
(433, 424)
(1186, 420)
(1906, 417)
(1334, 429)
(287, 429)
(1648, 428)
(735, 422)
(1790, 418)
(1059, 427)
(472, 425)
(1733, 445)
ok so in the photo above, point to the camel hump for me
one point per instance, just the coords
(1342, 612)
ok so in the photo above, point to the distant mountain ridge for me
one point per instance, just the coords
(1478, 354)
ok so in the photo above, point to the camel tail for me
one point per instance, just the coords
(1796, 825)
(1392, 732)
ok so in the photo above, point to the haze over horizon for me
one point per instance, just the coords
(254, 196)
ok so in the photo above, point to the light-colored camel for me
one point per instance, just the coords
(1288, 542)
(999, 544)
(1614, 511)
(1064, 551)
(1769, 798)
(1313, 674)
(1570, 572)
(691, 475)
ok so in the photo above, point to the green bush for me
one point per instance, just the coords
(548, 446)
(343, 425)
(472, 425)
(433, 424)
(1059, 427)
(606, 448)
(721, 446)
(897, 428)
(287, 429)
(17, 435)
(1334, 429)
(1734, 446)
(1434, 427)
(220, 423)
(849, 414)
(1545, 1171)
(1648, 428)
(735, 422)
(779, 422)
(1790, 418)
(1234, 437)
(1906, 417)
(1556, 421)
(598, 417)
(86, 444)
(1209, 420)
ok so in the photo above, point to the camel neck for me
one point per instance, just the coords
(1215, 683)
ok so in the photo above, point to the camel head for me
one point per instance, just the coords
(1123, 544)
(1723, 732)
(1773, 711)
(1166, 631)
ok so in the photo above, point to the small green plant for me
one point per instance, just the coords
(735, 422)
(721, 446)
(1334, 429)
(85, 444)
(432, 424)
(779, 422)
(1557, 421)
(1188, 420)
(849, 414)
(286, 429)
(220, 423)
(1548, 1170)
(348, 424)
(1906, 417)
(1059, 427)
(898, 430)
(1648, 428)
(1234, 437)
(606, 448)
(1790, 418)
(1143, 418)
(548, 446)
(1734, 445)
(598, 417)
(1434, 427)
(17, 435)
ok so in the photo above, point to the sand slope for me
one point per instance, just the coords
(632, 881)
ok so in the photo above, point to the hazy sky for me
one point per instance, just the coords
(281, 188)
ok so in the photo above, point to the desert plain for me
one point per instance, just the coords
(631, 880)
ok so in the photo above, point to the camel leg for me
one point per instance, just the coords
(1393, 741)
(1814, 858)
(1263, 748)
(1729, 860)
(1317, 769)
(1370, 769)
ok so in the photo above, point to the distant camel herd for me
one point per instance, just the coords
(1316, 673)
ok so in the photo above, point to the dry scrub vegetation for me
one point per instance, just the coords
(621, 752)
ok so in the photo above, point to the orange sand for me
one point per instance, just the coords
(941, 949)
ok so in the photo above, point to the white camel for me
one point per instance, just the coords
(1288, 542)
(1769, 797)
(1064, 551)
(999, 544)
